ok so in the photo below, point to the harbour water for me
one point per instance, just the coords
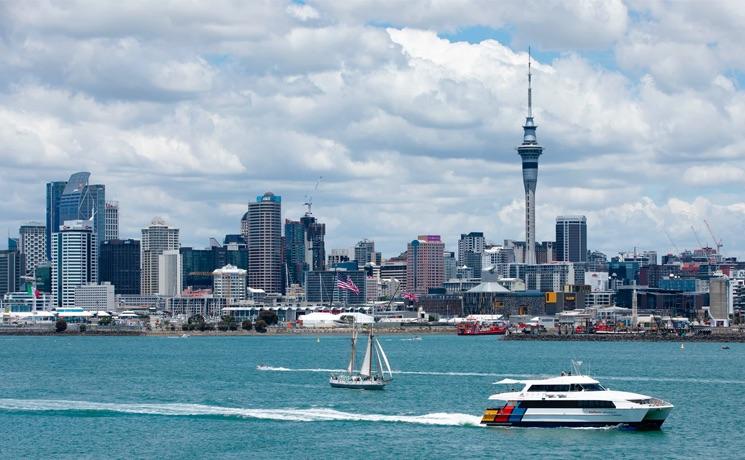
(145, 397)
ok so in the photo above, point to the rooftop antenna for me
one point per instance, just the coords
(530, 88)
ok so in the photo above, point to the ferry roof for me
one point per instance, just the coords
(563, 380)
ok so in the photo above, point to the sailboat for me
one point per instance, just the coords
(375, 372)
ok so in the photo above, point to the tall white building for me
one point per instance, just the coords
(169, 273)
(156, 238)
(74, 260)
(33, 244)
(112, 221)
(229, 283)
(95, 297)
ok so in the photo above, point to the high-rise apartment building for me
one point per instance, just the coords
(265, 243)
(425, 264)
(112, 221)
(169, 273)
(364, 252)
(119, 264)
(33, 244)
(74, 260)
(571, 239)
(230, 283)
(83, 201)
(54, 194)
(470, 242)
(156, 238)
(529, 151)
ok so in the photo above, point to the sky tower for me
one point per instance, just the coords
(529, 151)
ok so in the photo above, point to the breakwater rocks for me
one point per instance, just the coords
(718, 337)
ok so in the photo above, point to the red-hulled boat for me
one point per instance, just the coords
(477, 328)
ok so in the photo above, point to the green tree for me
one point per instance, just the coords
(60, 325)
(269, 316)
(82, 328)
(247, 325)
(260, 326)
(105, 321)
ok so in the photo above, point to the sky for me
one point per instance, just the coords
(409, 111)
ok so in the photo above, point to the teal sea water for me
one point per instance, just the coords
(146, 397)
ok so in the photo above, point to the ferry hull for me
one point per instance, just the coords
(640, 419)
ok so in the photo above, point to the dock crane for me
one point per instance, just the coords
(717, 243)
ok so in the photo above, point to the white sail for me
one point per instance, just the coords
(350, 367)
(387, 367)
(366, 368)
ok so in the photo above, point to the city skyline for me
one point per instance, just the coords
(415, 121)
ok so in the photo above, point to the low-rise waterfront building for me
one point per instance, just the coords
(95, 297)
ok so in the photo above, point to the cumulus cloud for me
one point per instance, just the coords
(187, 110)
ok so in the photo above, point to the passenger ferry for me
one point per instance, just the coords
(573, 401)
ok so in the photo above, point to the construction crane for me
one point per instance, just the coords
(698, 240)
(670, 238)
(717, 243)
(309, 198)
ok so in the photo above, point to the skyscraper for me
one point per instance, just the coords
(33, 245)
(529, 151)
(305, 249)
(54, 194)
(119, 264)
(169, 273)
(112, 221)
(265, 243)
(11, 266)
(82, 201)
(156, 238)
(295, 251)
(571, 239)
(470, 251)
(244, 227)
(425, 264)
(74, 260)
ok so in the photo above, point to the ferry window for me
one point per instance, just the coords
(592, 387)
(576, 387)
(549, 388)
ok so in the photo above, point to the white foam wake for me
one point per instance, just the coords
(292, 415)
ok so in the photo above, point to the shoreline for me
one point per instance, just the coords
(722, 338)
(408, 330)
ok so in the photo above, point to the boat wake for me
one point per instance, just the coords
(199, 410)
(491, 374)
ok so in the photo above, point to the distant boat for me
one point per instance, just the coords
(375, 372)
(682, 347)
(725, 347)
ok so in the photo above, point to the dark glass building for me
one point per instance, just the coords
(119, 264)
(198, 264)
(81, 201)
(54, 193)
(571, 239)
(11, 270)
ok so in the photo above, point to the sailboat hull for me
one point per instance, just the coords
(358, 385)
